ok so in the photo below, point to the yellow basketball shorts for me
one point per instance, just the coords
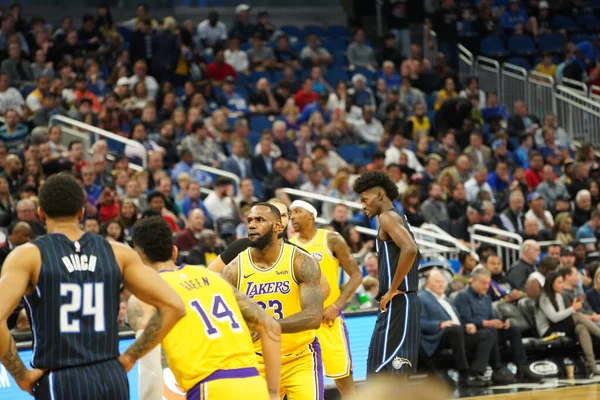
(231, 384)
(301, 374)
(335, 348)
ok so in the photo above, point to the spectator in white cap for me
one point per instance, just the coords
(242, 27)
(363, 95)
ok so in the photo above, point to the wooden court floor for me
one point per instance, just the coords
(587, 392)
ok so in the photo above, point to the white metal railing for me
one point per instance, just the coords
(540, 94)
(466, 63)
(578, 115)
(578, 86)
(595, 92)
(216, 171)
(430, 53)
(99, 133)
(322, 198)
(488, 71)
(513, 84)
(507, 244)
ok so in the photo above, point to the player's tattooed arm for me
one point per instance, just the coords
(230, 273)
(148, 340)
(138, 313)
(12, 362)
(308, 275)
(339, 248)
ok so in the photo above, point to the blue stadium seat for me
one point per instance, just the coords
(430, 100)
(353, 155)
(277, 76)
(581, 37)
(338, 31)
(305, 73)
(369, 151)
(246, 46)
(492, 47)
(333, 76)
(335, 45)
(242, 91)
(242, 79)
(125, 33)
(297, 47)
(564, 22)
(314, 29)
(520, 61)
(260, 122)
(339, 60)
(258, 189)
(179, 91)
(253, 139)
(292, 30)
(231, 121)
(590, 23)
(431, 115)
(256, 75)
(553, 42)
(521, 45)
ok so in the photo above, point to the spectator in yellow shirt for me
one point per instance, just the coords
(448, 92)
(546, 67)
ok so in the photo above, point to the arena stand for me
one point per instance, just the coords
(502, 63)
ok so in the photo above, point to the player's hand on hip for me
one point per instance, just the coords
(126, 361)
(387, 298)
(330, 314)
(28, 383)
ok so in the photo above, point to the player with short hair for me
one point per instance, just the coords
(395, 343)
(71, 282)
(284, 280)
(330, 250)
(210, 350)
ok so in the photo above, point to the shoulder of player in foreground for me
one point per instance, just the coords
(24, 252)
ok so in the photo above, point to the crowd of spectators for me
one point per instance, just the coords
(278, 113)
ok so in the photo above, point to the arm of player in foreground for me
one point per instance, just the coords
(150, 375)
(308, 274)
(270, 337)
(15, 282)
(394, 225)
(145, 284)
(340, 250)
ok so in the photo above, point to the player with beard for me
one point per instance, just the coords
(394, 347)
(284, 280)
(235, 248)
(330, 250)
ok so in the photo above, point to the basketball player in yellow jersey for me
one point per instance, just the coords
(330, 250)
(210, 351)
(284, 280)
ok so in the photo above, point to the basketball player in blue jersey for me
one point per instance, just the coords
(71, 282)
(394, 347)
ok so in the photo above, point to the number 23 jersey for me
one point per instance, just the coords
(277, 291)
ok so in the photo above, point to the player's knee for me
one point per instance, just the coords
(345, 385)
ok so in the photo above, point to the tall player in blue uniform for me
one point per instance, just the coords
(394, 347)
(71, 282)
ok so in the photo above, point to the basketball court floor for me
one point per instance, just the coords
(555, 389)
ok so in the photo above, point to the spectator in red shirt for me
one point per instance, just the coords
(218, 70)
(81, 92)
(534, 175)
(76, 156)
(108, 207)
(306, 95)
(156, 202)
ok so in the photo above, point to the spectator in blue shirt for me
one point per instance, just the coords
(553, 153)
(192, 201)
(231, 102)
(493, 109)
(500, 179)
(320, 105)
(522, 153)
(88, 176)
(588, 230)
(474, 306)
(389, 75)
(287, 147)
(186, 165)
(12, 133)
(514, 20)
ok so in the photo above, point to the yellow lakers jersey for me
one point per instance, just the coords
(330, 266)
(213, 335)
(276, 290)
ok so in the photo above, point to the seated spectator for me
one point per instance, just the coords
(138, 134)
(13, 134)
(108, 207)
(34, 99)
(521, 122)
(419, 125)
(593, 294)
(369, 129)
(431, 172)
(434, 209)
(522, 152)
(513, 217)
(546, 66)
(500, 287)
(341, 131)
(409, 96)
(478, 153)
(320, 85)
(360, 54)
(18, 234)
(493, 109)
(140, 74)
(363, 95)
(263, 101)
(553, 153)
(236, 57)
(478, 183)
(320, 106)
(554, 315)
(562, 228)
(10, 98)
(285, 57)
(519, 272)
(415, 61)
(340, 216)
(550, 189)
(261, 57)
(231, 102)
(211, 31)
(474, 306)
(287, 176)
(589, 229)
(472, 89)
(81, 92)
(579, 184)
(462, 278)
(315, 55)
(447, 92)
(572, 291)
(535, 282)
(442, 328)
(314, 183)
(237, 163)
(188, 238)
(514, 20)
(534, 175)
(206, 250)
(156, 204)
(263, 163)
(538, 212)
(328, 160)
(16, 67)
(339, 188)
(287, 147)
(203, 147)
(246, 196)
(306, 95)
(397, 147)
(218, 70)
(242, 27)
(500, 181)
(389, 75)
(531, 230)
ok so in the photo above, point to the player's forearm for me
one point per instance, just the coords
(157, 328)
(405, 263)
(307, 319)
(9, 354)
(270, 337)
(349, 289)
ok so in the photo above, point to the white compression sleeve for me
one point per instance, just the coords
(150, 374)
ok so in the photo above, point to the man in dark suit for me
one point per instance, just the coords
(18, 70)
(236, 163)
(263, 164)
(18, 234)
(141, 42)
(441, 328)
